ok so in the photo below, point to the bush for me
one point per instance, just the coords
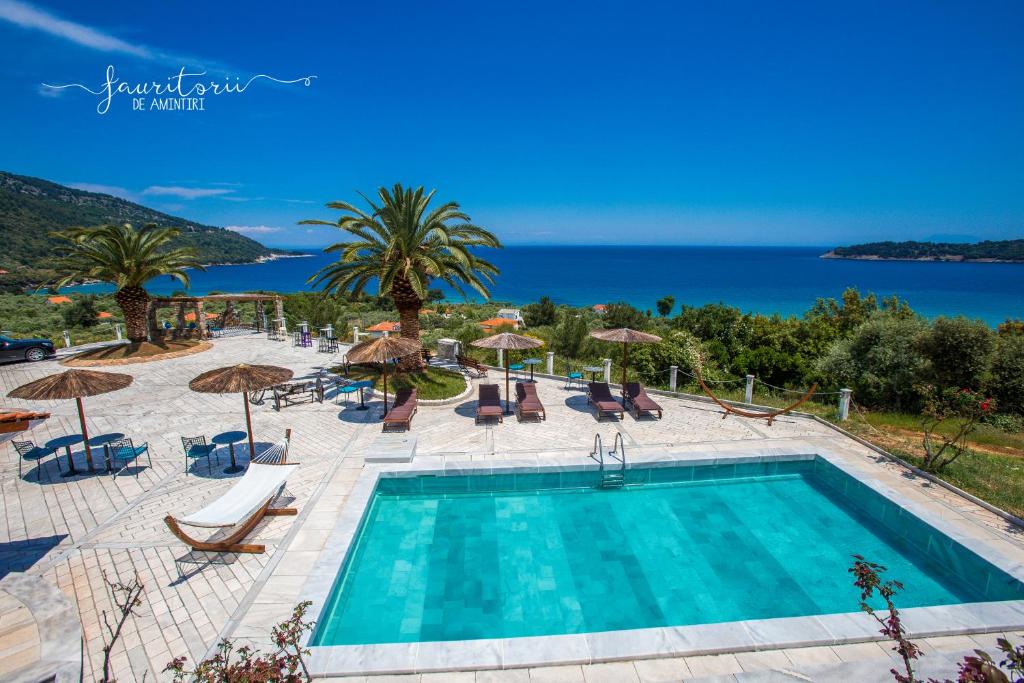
(1007, 377)
(81, 312)
(650, 362)
(881, 362)
(959, 350)
(541, 313)
(621, 314)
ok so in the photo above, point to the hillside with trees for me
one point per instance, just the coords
(1002, 251)
(31, 208)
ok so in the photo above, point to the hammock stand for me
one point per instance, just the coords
(770, 416)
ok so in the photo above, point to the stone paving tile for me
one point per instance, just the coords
(74, 530)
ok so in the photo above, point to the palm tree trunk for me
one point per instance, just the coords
(408, 305)
(134, 303)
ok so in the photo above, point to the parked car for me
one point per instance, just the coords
(25, 349)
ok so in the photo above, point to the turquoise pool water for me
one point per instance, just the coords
(460, 558)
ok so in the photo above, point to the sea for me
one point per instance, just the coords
(783, 280)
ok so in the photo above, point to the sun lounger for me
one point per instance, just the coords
(527, 401)
(402, 411)
(599, 396)
(635, 395)
(489, 403)
(242, 506)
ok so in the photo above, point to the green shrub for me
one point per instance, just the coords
(959, 351)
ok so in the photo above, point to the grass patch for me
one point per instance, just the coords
(432, 384)
(138, 350)
(996, 479)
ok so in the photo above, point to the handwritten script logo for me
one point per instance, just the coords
(184, 91)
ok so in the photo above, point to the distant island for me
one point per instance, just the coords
(31, 208)
(1002, 251)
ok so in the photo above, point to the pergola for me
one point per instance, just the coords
(228, 319)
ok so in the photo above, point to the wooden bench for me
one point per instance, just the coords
(302, 392)
(468, 364)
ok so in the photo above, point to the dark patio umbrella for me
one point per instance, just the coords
(241, 379)
(73, 384)
(626, 336)
(507, 341)
(382, 350)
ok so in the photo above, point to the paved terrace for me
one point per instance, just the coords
(72, 531)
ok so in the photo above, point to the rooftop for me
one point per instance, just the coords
(68, 531)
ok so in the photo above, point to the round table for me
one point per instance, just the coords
(593, 370)
(229, 439)
(66, 442)
(104, 440)
(532, 362)
(364, 384)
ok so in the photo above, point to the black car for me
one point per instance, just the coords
(25, 349)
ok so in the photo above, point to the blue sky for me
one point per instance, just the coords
(690, 123)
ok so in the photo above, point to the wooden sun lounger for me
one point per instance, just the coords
(489, 403)
(527, 401)
(599, 396)
(242, 506)
(402, 411)
(635, 395)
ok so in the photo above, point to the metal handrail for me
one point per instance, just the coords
(621, 454)
(598, 450)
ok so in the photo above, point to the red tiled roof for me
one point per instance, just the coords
(105, 314)
(58, 299)
(600, 307)
(386, 326)
(495, 322)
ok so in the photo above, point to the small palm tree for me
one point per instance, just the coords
(127, 258)
(405, 245)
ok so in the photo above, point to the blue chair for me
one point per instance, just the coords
(195, 448)
(574, 378)
(127, 452)
(29, 451)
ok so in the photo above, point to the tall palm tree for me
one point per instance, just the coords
(126, 258)
(404, 245)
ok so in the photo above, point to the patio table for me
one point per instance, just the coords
(66, 442)
(593, 370)
(105, 440)
(229, 439)
(532, 362)
(364, 384)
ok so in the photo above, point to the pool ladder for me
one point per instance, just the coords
(611, 478)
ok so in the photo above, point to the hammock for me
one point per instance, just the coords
(770, 416)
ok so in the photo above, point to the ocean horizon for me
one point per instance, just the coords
(767, 280)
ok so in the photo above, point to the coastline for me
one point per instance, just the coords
(937, 259)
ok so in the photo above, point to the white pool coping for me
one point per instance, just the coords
(606, 646)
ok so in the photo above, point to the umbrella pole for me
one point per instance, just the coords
(85, 432)
(625, 361)
(248, 427)
(507, 403)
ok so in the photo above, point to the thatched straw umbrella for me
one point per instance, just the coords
(73, 384)
(626, 336)
(242, 379)
(382, 350)
(507, 341)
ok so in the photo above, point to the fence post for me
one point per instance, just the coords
(844, 404)
(608, 370)
(501, 358)
(748, 395)
(551, 363)
(355, 334)
(673, 376)
(67, 340)
(117, 331)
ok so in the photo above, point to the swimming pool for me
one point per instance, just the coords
(499, 556)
